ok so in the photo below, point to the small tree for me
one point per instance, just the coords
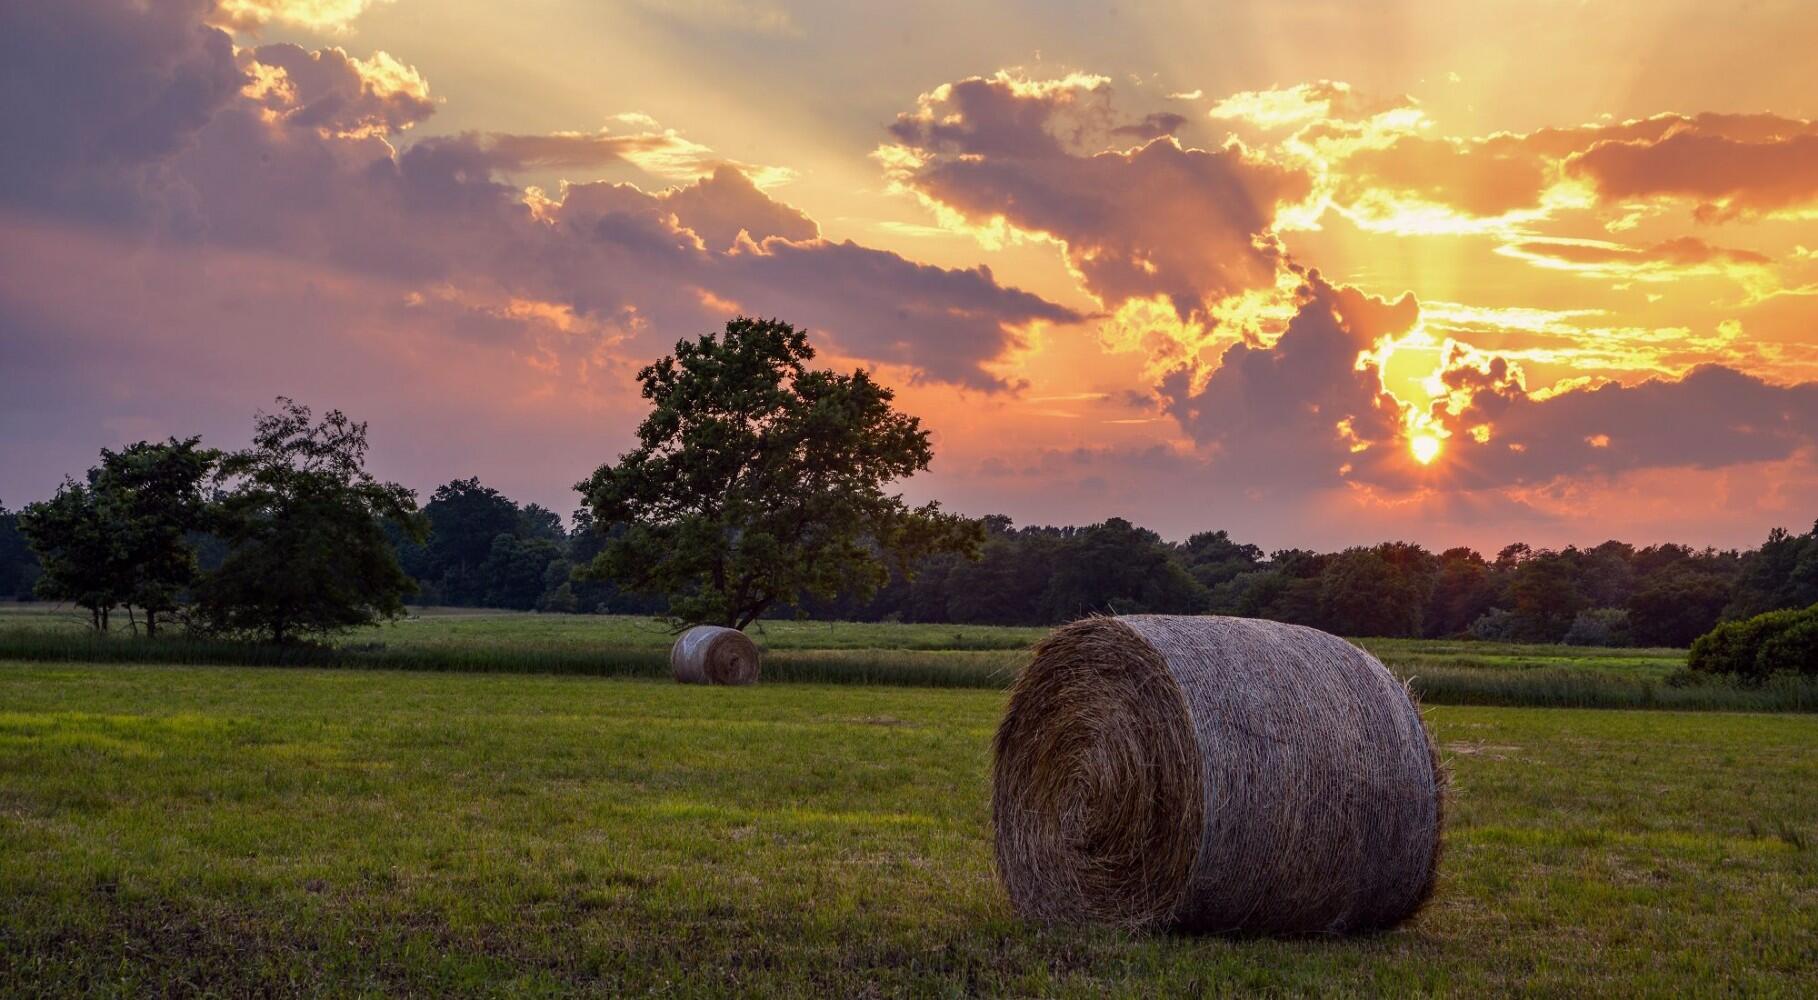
(122, 537)
(153, 498)
(80, 560)
(18, 564)
(757, 481)
(304, 524)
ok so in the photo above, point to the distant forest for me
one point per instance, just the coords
(484, 550)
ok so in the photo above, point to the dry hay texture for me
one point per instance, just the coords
(709, 654)
(1214, 774)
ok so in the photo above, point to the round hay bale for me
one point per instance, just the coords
(710, 654)
(1214, 774)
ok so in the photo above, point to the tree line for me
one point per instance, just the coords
(472, 546)
(758, 487)
(1613, 594)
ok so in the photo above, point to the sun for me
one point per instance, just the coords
(1425, 448)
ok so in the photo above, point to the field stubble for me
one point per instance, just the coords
(181, 829)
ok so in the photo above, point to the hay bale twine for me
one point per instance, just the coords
(710, 654)
(1214, 774)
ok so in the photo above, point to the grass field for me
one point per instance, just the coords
(1441, 672)
(236, 831)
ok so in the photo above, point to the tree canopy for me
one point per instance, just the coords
(303, 521)
(758, 481)
(122, 537)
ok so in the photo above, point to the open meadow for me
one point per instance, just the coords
(168, 829)
(921, 655)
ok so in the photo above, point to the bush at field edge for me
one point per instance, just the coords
(1754, 649)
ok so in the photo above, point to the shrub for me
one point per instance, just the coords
(1793, 651)
(1495, 625)
(1754, 648)
(1599, 627)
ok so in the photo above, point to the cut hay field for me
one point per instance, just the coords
(235, 831)
(976, 656)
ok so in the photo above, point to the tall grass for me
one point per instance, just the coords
(1563, 688)
(1469, 684)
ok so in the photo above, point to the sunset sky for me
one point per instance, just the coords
(1318, 273)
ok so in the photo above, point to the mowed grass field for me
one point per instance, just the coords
(239, 831)
(977, 656)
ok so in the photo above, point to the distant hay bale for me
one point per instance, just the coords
(709, 654)
(1214, 774)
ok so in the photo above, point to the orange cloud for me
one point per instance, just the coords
(725, 204)
(318, 15)
(1726, 176)
(1667, 260)
(1191, 226)
(329, 90)
(1483, 180)
(1304, 103)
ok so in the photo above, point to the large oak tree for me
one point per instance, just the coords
(758, 481)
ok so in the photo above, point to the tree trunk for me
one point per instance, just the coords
(747, 617)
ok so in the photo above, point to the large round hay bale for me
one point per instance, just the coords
(1214, 774)
(709, 654)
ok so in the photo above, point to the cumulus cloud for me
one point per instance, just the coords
(950, 324)
(318, 15)
(1725, 176)
(1303, 411)
(1325, 100)
(1310, 411)
(1482, 180)
(1714, 417)
(1725, 165)
(99, 93)
(276, 168)
(1158, 221)
(727, 203)
(328, 89)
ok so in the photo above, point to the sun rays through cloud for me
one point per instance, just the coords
(1365, 259)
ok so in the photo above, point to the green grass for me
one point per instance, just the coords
(1441, 672)
(1647, 664)
(242, 831)
(441, 628)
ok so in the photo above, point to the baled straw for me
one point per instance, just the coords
(1214, 774)
(710, 654)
